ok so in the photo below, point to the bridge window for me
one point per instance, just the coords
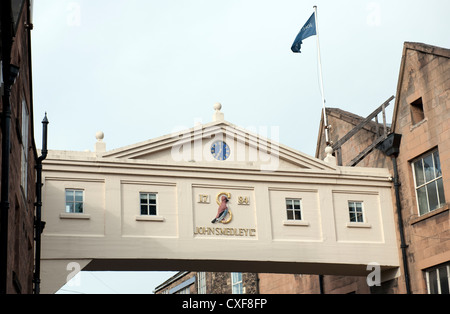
(428, 182)
(74, 201)
(293, 209)
(148, 204)
(236, 283)
(355, 210)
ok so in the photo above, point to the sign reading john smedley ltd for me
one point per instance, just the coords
(224, 216)
(236, 232)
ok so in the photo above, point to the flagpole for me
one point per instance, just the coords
(325, 119)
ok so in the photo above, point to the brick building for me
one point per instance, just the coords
(189, 282)
(19, 155)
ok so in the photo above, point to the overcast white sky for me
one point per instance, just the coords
(138, 69)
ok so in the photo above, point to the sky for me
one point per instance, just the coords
(106, 282)
(140, 69)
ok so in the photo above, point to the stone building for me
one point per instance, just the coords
(19, 155)
(422, 118)
(210, 283)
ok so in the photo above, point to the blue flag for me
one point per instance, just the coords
(309, 29)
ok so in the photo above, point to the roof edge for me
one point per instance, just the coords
(425, 48)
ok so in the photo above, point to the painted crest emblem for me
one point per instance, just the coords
(224, 214)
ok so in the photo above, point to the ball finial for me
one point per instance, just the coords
(217, 106)
(99, 136)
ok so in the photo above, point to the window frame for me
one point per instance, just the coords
(237, 287)
(437, 269)
(293, 209)
(426, 183)
(185, 290)
(25, 120)
(362, 214)
(201, 282)
(148, 204)
(74, 202)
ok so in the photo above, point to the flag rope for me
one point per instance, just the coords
(325, 119)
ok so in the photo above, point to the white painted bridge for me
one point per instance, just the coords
(149, 206)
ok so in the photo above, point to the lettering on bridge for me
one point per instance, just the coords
(236, 232)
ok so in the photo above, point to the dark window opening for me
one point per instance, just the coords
(417, 114)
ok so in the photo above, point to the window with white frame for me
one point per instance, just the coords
(186, 290)
(24, 148)
(293, 209)
(355, 211)
(236, 283)
(428, 182)
(438, 279)
(148, 204)
(74, 201)
(201, 282)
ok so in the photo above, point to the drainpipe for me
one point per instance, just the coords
(321, 287)
(403, 244)
(257, 283)
(39, 224)
(391, 147)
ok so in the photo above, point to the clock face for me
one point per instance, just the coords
(220, 150)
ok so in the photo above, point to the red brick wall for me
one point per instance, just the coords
(21, 212)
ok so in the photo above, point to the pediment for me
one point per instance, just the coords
(202, 145)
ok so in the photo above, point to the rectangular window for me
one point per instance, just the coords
(236, 283)
(438, 281)
(148, 204)
(293, 209)
(201, 282)
(74, 201)
(355, 210)
(186, 290)
(428, 182)
(24, 148)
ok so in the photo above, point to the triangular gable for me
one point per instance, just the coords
(405, 73)
(245, 147)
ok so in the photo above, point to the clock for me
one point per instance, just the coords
(220, 150)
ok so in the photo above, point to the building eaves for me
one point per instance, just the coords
(424, 48)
